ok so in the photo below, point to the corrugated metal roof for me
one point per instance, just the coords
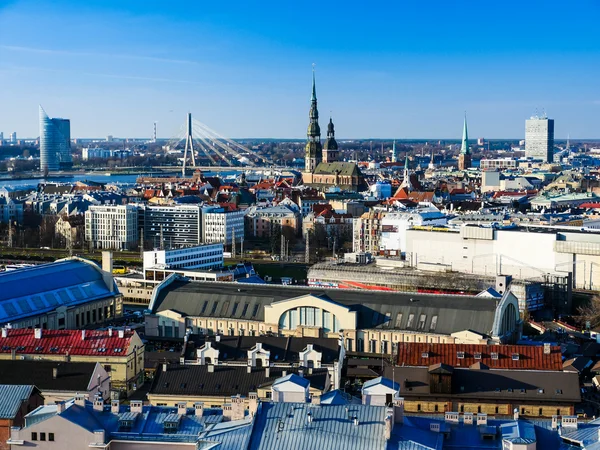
(332, 427)
(32, 291)
(12, 397)
(61, 342)
(529, 357)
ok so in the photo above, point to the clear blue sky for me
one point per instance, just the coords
(394, 69)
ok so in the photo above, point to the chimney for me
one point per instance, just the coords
(248, 369)
(99, 436)
(80, 399)
(218, 338)
(182, 408)
(546, 348)
(54, 373)
(107, 262)
(15, 433)
(37, 333)
(284, 373)
(135, 406)
(164, 367)
(516, 414)
(115, 406)
(83, 335)
(315, 400)
(199, 409)
(211, 368)
(60, 407)
(388, 427)
(555, 422)
(267, 372)
(121, 334)
(301, 372)
(252, 403)
(355, 421)
(110, 332)
(99, 405)
(310, 370)
(309, 417)
(4, 332)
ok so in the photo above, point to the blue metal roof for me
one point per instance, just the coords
(32, 291)
(384, 381)
(11, 398)
(331, 428)
(518, 432)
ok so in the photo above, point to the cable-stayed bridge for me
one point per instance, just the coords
(199, 139)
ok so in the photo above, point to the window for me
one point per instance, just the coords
(34, 436)
(559, 391)
(422, 320)
(433, 323)
(411, 318)
(477, 355)
(372, 346)
(42, 436)
(398, 320)
(51, 437)
(515, 356)
(388, 319)
(425, 355)
(245, 309)
(460, 355)
(235, 307)
(494, 356)
(107, 368)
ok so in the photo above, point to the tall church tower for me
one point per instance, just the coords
(464, 159)
(313, 150)
(330, 150)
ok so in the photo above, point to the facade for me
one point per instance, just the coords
(55, 143)
(219, 225)
(370, 322)
(539, 138)
(10, 210)
(15, 402)
(177, 226)
(66, 294)
(119, 352)
(58, 380)
(498, 164)
(112, 227)
(366, 232)
(441, 388)
(70, 230)
(392, 240)
(521, 252)
(208, 256)
(260, 222)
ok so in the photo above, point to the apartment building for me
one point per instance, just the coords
(112, 227)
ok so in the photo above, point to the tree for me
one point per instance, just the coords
(589, 313)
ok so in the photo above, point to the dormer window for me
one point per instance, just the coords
(495, 356)
(477, 355)
(425, 355)
(460, 355)
(515, 356)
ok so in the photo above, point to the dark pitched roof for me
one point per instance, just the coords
(283, 349)
(375, 309)
(491, 385)
(196, 380)
(72, 376)
(343, 168)
(524, 357)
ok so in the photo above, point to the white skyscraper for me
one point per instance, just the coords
(539, 138)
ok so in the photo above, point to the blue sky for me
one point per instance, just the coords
(394, 69)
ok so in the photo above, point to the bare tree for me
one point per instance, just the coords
(589, 313)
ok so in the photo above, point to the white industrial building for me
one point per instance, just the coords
(394, 226)
(219, 225)
(521, 252)
(208, 256)
(112, 227)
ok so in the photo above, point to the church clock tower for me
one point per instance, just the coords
(313, 151)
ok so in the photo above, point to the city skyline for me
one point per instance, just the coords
(247, 73)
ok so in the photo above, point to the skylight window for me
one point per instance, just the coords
(460, 355)
(515, 356)
(495, 356)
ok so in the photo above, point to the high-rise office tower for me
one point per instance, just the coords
(13, 137)
(55, 143)
(539, 138)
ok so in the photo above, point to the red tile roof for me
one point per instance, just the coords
(61, 342)
(530, 357)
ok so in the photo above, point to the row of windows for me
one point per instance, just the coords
(42, 436)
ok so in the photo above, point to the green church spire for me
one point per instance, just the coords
(464, 148)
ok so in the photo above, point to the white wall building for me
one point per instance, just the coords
(219, 226)
(112, 227)
(199, 257)
(394, 226)
(523, 253)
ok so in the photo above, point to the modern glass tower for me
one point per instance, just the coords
(55, 143)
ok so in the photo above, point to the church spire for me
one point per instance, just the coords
(313, 150)
(464, 148)
(394, 154)
(330, 149)
(406, 179)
